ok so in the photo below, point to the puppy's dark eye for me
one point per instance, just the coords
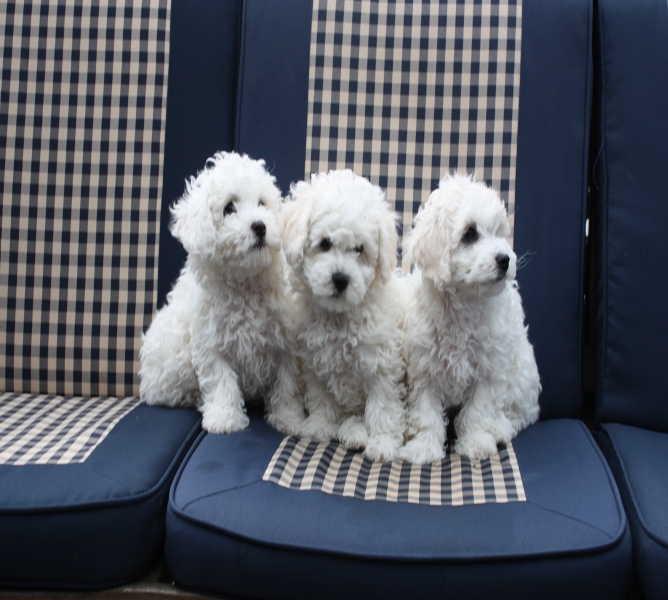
(359, 249)
(229, 208)
(325, 244)
(261, 203)
(470, 235)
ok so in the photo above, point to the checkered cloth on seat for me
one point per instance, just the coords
(403, 92)
(82, 110)
(43, 430)
(455, 481)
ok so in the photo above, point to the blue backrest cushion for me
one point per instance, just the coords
(200, 107)
(631, 202)
(405, 92)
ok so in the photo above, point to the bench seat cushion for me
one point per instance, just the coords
(638, 460)
(230, 531)
(97, 523)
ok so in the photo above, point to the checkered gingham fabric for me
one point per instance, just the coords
(40, 430)
(82, 110)
(404, 91)
(455, 481)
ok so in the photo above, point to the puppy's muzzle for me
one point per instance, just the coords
(260, 231)
(340, 282)
(502, 264)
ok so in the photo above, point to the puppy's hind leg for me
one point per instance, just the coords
(285, 408)
(166, 372)
(321, 425)
(427, 423)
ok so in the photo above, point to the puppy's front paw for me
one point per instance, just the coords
(421, 452)
(223, 419)
(382, 448)
(353, 434)
(476, 446)
(318, 429)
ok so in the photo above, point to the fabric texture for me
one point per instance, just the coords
(403, 92)
(81, 140)
(331, 468)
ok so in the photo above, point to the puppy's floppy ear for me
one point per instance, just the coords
(192, 222)
(429, 245)
(387, 240)
(294, 219)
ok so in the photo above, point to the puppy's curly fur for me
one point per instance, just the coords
(222, 337)
(466, 343)
(340, 239)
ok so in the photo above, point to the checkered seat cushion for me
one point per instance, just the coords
(402, 92)
(85, 152)
(629, 222)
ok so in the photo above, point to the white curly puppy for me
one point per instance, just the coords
(466, 344)
(221, 338)
(340, 239)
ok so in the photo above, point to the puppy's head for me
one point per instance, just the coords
(228, 214)
(340, 237)
(459, 239)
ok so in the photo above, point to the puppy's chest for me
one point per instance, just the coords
(342, 361)
(459, 358)
(248, 325)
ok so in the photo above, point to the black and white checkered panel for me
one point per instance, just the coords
(52, 430)
(406, 91)
(454, 481)
(82, 110)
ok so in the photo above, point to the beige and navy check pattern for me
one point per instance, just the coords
(82, 111)
(43, 430)
(403, 92)
(455, 481)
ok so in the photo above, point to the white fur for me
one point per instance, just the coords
(221, 339)
(350, 340)
(466, 343)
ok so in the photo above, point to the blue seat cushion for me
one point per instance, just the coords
(229, 531)
(97, 523)
(637, 458)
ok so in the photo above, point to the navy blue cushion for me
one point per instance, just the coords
(552, 149)
(203, 59)
(229, 531)
(99, 523)
(638, 461)
(629, 193)
(632, 212)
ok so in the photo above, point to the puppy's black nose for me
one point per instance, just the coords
(502, 260)
(340, 281)
(259, 228)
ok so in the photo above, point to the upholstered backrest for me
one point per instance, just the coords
(403, 92)
(83, 117)
(631, 211)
